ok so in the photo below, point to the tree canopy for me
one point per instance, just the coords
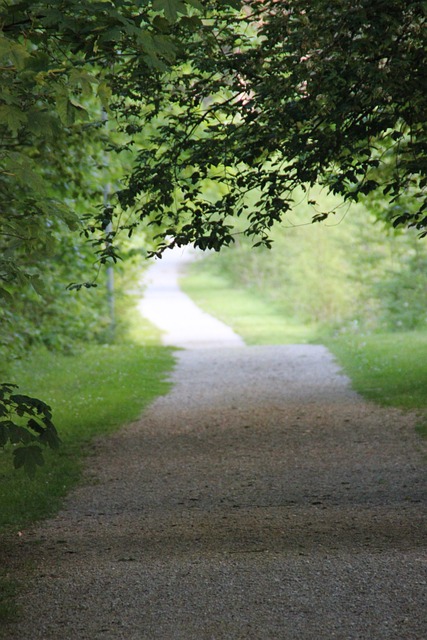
(278, 95)
(226, 106)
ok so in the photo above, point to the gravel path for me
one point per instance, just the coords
(183, 323)
(260, 499)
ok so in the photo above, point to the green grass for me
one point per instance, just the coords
(91, 394)
(9, 588)
(249, 315)
(388, 368)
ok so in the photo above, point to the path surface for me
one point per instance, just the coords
(261, 499)
(184, 324)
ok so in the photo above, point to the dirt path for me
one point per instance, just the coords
(261, 499)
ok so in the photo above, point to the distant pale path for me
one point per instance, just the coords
(166, 306)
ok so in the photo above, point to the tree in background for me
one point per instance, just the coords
(346, 275)
(59, 62)
(54, 61)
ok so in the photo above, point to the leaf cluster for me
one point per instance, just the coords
(216, 100)
(26, 423)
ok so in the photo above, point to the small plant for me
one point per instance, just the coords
(26, 423)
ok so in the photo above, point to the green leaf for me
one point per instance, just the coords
(65, 109)
(165, 47)
(29, 458)
(4, 293)
(69, 109)
(35, 426)
(155, 63)
(23, 170)
(4, 432)
(43, 124)
(235, 4)
(171, 8)
(13, 52)
(104, 94)
(145, 40)
(81, 111)
(195, 3)
(18, 434)
(50, 437)
(111, 35)
(64, 213)
(83, 79)
(13, 117)
(38, 285)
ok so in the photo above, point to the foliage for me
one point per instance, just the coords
(346, 275)
(55, 317)
(402, 289)
(216, 100)
(221, 97)
(28, 422)
(257, 319)
(271, 96)
(57, 63)
(58, 331)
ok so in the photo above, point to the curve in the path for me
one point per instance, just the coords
(182, 322)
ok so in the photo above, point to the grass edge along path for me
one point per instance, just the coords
(256, 320)
(92, 393)
(388, 368)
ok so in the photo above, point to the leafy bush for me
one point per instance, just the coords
(27, 422)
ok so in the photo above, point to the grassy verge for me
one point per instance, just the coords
(388, 368)
(91, 394)
(257, 321)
